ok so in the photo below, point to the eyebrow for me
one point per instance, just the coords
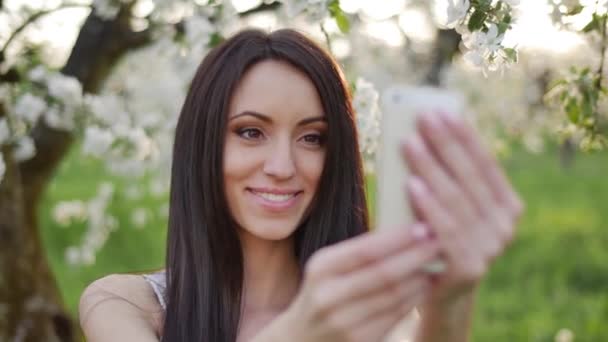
(267, 119)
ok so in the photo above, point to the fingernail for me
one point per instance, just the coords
(420, 232)
(450, 116)
(416, 185)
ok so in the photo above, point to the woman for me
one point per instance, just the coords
(268, 227)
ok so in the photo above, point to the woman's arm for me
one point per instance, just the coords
(120, 308)
(451, 322)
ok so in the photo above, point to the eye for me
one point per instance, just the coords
(250, 133)
(314, 139)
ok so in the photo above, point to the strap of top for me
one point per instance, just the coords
(158, 281)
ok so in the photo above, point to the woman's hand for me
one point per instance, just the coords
(459, 190)
(357, 290)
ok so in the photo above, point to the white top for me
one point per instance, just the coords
(158, 281)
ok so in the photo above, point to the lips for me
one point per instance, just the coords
(274, 199)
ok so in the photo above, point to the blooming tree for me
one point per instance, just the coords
(105, 96)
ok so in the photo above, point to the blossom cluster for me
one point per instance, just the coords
(99, 224)
(315, 10)
(482, 25)
(49, 96)
(368, 115)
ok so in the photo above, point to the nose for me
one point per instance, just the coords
(280, 162)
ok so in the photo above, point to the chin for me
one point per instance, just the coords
(270, 229)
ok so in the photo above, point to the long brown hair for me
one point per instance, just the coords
(204, 256)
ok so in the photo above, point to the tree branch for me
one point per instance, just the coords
(100, 44)
(32, 19)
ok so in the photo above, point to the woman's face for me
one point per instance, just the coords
(275, 149)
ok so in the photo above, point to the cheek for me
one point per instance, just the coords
(237, 164)
(311, 167)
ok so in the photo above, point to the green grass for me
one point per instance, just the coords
(554, 276)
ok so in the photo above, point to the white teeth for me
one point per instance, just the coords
(274, 197)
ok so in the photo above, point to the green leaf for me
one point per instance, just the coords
(575, 10)
(215, 40)
(589, 101)
(573, 110)
(334, 7)
(477, 20)
(511, 54)
(342, 21)
(594, 24)
(502, 27)
(563, 96)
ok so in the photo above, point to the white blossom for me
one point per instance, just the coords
(106, 9)
(65, 212)
(163, 210)
(512, 2)
(99, 226)
(158, 187)
(139, 217)
(29, 107)
(66, 89)
(365, 102)
(485, 50)
(198, 30)
(107, 109)
(59, 119)
(72, 255)
(484, 42)
(133, 192)
(474, 57)
(457, 10)
(564, 335)
(24, 149)
(316, 10)
(5, 133)
(97, 141)
(38, 74)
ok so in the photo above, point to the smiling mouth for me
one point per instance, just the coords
(275, 198)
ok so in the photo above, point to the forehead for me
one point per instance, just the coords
(276, 88)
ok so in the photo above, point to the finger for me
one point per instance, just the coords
(379, 328)
(380, 276)
(354, 253)
(455, 159)
(368, 308)
(499, 184)
(448, 231)
(423, 164)
(504, 225)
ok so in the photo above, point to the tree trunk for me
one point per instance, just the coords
(31, 308)
(446, 47)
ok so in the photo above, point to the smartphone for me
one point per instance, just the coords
(400, 107)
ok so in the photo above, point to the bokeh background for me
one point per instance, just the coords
(89, 117)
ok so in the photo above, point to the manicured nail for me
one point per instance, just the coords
(450, 116)
(420, 232)
(417, 185)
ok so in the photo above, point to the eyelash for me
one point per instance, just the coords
(242, 133)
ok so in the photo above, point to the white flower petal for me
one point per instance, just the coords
(24, 149)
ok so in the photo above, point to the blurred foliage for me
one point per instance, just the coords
(582, 93)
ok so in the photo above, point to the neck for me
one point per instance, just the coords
(272, 274)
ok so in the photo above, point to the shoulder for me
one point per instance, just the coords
(122, 303)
